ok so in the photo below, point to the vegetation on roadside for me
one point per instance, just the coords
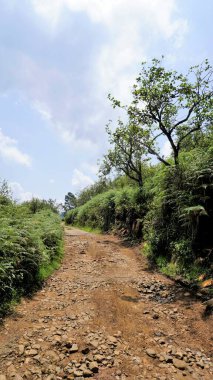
(113, 209)
(31, 246)
(87, 229)
(168, 203)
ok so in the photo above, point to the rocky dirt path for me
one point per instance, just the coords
(104, 315)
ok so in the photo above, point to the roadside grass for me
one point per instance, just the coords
(173, 269)
(47, 270)
(31, 248)
(168, 268)
(96, 231)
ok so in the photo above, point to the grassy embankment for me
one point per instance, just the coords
(31, 248)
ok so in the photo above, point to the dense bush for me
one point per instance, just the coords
(116, 208)
(98, 212)
(178, 225)
(91, 191)
(30, 245)
(36, 204)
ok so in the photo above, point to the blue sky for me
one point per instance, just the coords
(58, 61)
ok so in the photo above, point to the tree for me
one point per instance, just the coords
(35, 205)
(5, 193)
(53, 205)
(5, 190)
(126, 153)
(170, 105)
(70, 201)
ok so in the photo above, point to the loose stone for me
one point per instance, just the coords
(151, 353)
(180, 364)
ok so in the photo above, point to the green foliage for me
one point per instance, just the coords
(36, 205)
(98, 212)
(168, 268)
(89, 229)
(70, 216)
(30, 243)
(5, 193)
(173, 212)
(91, 191)
(125, 156)
(116, 208)
(70, 201)
(170, 105)
(178, 223)
(5, 190)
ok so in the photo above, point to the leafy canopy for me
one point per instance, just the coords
(69, 201)
(126, 153)
(170, 105)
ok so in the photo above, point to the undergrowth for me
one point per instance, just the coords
(115, 208)
(88, 229)
(30, 249)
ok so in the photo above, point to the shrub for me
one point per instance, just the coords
(178, 223)
(28, 244)
(114, 209)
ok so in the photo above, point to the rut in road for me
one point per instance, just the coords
(104, 315)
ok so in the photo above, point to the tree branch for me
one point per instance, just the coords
(186, 118)
(152, 151)
(188, 133)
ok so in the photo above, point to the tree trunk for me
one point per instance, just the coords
(176, 157)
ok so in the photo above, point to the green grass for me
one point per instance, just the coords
(145, 249)
(105, 210)
(168, 268)
(31, 248)
(173, 269)
(46, 270)
(86, 228)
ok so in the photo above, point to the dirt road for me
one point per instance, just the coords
(104, 315)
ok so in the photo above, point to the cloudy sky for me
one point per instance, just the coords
(58, 61)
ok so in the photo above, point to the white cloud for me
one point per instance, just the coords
(70, 136)
(10, 151)
(69, 93)
(80, 180)
(42, 110)
(19, 193)
(106, 12)
(91, 168)
(49, 9)
(131, 26)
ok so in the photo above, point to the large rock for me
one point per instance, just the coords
(93, 366)
(112, 340)
(74, 348)
(32, 352)
(150, 352)
(21, 349)
(180, 364)
(78, 373)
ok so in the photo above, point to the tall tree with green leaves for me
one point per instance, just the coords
(5, 192)
(69, 201)
(170, 105)
(127, 152)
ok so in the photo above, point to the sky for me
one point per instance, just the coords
(59, 59)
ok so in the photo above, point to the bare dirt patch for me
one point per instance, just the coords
(104, 315)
